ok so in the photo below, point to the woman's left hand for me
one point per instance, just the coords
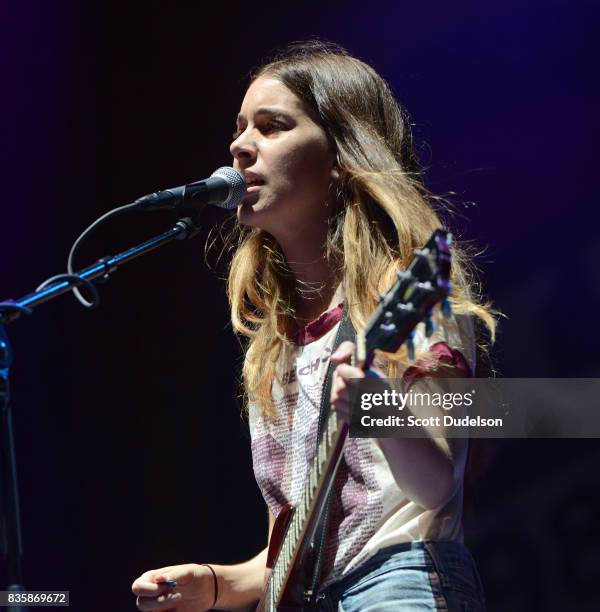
(340, 385)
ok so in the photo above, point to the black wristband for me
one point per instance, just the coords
(215, 581)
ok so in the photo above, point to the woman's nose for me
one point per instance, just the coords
(243, 147)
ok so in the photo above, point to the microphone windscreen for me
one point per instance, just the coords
(237, 186)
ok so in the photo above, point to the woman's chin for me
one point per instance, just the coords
(247, 211)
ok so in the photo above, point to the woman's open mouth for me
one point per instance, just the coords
(254, 185)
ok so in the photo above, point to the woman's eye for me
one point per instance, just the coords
(275, 125)
(269, 126)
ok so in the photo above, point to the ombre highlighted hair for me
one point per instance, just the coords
(382, 213)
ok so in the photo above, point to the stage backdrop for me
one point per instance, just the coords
(132, 449)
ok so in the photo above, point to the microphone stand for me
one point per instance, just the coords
(11, 542)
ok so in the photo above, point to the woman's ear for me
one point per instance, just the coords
(335, 172)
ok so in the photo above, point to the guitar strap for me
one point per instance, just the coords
(345, 332)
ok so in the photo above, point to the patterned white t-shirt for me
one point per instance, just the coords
(369, 511)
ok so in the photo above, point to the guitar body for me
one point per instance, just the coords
(293, 594)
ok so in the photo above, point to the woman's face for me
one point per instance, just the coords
(286, 159)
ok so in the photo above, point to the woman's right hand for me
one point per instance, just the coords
(195, 590)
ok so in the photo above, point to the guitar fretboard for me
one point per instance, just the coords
(313, 494)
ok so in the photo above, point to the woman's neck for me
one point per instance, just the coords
(317, 283)
(310, 305)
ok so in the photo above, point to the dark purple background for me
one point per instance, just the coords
(131, 450)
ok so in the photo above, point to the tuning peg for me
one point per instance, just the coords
(429, 324)
(421, 253)
(407, 309)
(410, 345)
(446, 308)
(388, 328)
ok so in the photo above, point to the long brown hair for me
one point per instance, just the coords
(383, 211)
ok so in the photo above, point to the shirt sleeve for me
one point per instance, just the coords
(452, 344)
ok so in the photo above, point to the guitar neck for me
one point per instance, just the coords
(304, 522)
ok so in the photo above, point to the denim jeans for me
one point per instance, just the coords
(412, 577)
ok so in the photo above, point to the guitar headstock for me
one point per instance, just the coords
(425, 282)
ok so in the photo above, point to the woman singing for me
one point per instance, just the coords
(335, 206)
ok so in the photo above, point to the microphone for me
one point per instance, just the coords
(225, 188)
